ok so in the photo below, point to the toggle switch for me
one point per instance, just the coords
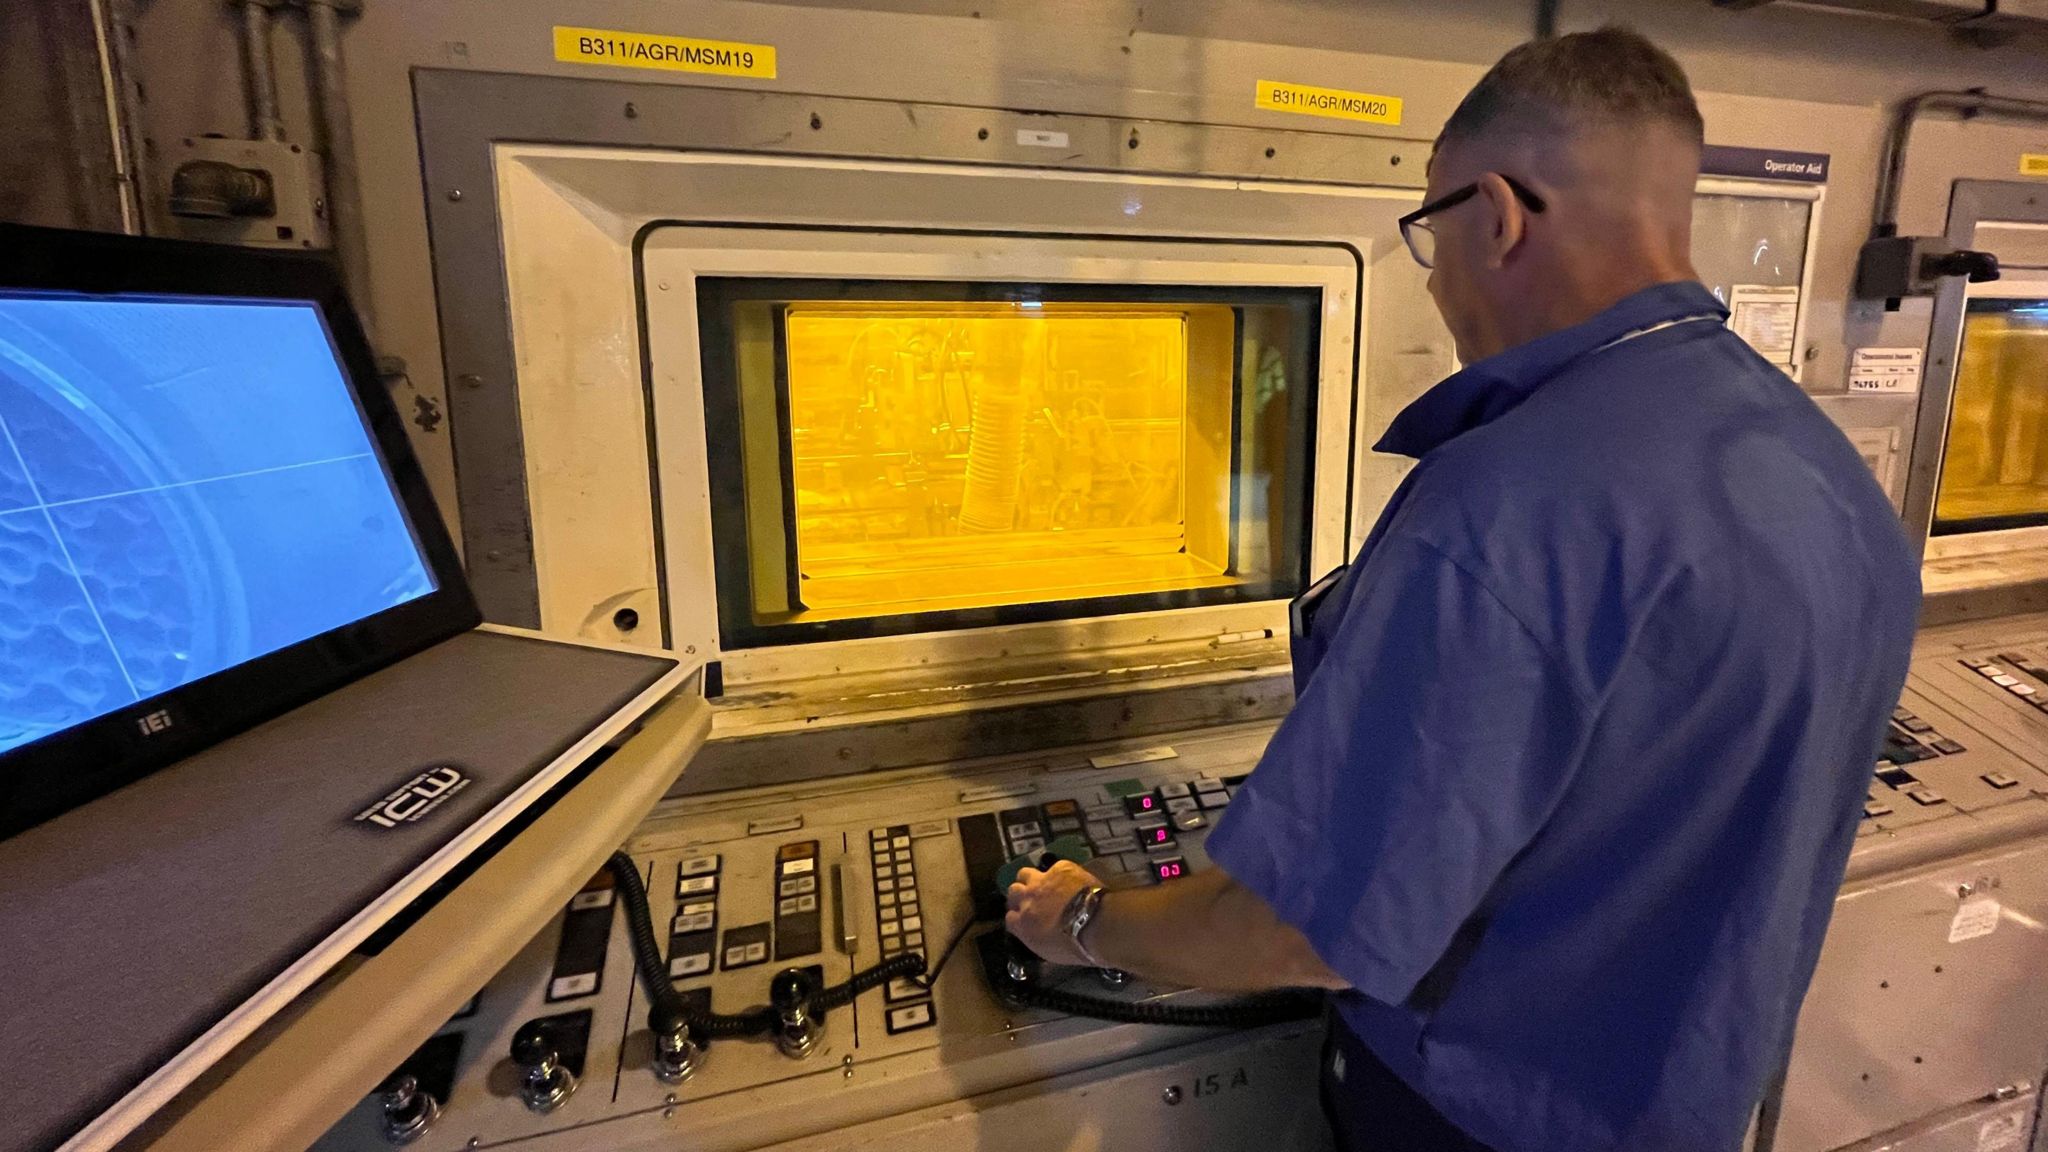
(545, 1083)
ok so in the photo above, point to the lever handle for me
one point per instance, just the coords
(799, 1029)
(545, 1084)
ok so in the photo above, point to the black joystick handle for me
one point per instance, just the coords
(677, 1051)
(409, 1110)
(799, 1026)
(545, 1084)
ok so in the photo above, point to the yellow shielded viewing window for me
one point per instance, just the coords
(1994, 471)
(892, 457)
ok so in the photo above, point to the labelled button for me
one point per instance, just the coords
(563, 987)
(1876, 808)
(884, 871)
(885, 885)
(1023, 830)
(902, 857)
(899, 841)
(736, 956)
(2003, 680)
(903, 988)
(879, 834)
(1181, 804)
(698, 866)
(699, 922)
(799, 867)
(889, 923)
(807, 904)
(1141, 803)
(1967, 662)
(914, 940)
(886, 899)
(786, 906)
(1053, 808)
(600, 898)
(1925, 797)
(1916, 726)
(1947, 747)
(1062, 825)
(696, 886)
(1989, 670)
(913, 924)
(804, 884)
(1999, 780)
(910, 1018)
(2021, 690)
(699, 907)
(891, 945)
(907, 908)
(756, 953)
(907, 887)
(1027, 847)
(1213, 800)
(682, 967)
(1174, 791)
(1189, 821)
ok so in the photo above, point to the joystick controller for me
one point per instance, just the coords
(677, 1054)
(545, 1083)
(409, 1110)
(799, 1027)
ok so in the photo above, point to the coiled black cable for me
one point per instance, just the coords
(667, 1005)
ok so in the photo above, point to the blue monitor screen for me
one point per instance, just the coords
(186, 484)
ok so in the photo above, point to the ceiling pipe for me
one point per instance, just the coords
(259, 70)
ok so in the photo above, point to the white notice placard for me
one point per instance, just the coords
(1885, 370)
(1973, 919)
(1767, 317)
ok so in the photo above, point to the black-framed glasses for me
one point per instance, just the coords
(1421, 239)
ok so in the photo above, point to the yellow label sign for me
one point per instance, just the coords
(1335, 103)
(666, 53)
(2033, 165)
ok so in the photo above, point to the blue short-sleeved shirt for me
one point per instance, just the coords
(1582, 737)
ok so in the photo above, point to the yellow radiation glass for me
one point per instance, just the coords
(947, 455)
(1994, 473)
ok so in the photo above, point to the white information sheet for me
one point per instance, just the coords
(1885, 370)
(1768, 318)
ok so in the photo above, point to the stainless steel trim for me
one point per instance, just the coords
(1973, 202)
(463, 114)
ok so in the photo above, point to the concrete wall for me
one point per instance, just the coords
(56, 154)
(1777, 76)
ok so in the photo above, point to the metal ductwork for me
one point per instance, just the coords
(1991, 20)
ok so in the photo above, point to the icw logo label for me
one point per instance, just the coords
(413, 800)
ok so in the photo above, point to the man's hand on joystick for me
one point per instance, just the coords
(1038, 903)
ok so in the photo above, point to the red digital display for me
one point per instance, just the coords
(1148, 802)
(1168, 869)
(1159, 836)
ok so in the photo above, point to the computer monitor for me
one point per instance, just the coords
(209, 511)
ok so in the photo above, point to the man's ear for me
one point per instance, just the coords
(1506, 219)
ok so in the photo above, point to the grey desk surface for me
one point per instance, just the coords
(130, 926)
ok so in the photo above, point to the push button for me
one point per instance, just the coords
(1999, 780)
(1948, 747)
(1142, 803)
(910, 1018)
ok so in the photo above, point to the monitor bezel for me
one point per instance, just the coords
(47, 777)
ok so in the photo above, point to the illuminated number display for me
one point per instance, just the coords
(1169, 869)
(1157, 836)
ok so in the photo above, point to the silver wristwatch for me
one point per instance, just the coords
(1080, 911)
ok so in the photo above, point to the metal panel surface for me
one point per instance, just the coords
(1900, 1022)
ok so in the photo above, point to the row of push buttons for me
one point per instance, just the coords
(901, 918)
(693, 934)
(1999, 674)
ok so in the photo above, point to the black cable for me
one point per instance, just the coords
(932, 977)
(668, 1005)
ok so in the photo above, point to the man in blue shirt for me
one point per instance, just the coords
(1582, 736)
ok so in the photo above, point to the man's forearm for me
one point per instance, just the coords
(1205, 931)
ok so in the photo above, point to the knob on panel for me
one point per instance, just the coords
(800, 1029)
(545, 1084)
(409, 1110)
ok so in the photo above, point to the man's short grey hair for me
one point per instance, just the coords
(1614, 76)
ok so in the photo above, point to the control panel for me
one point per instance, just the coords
(746, 887)
(760, 899)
